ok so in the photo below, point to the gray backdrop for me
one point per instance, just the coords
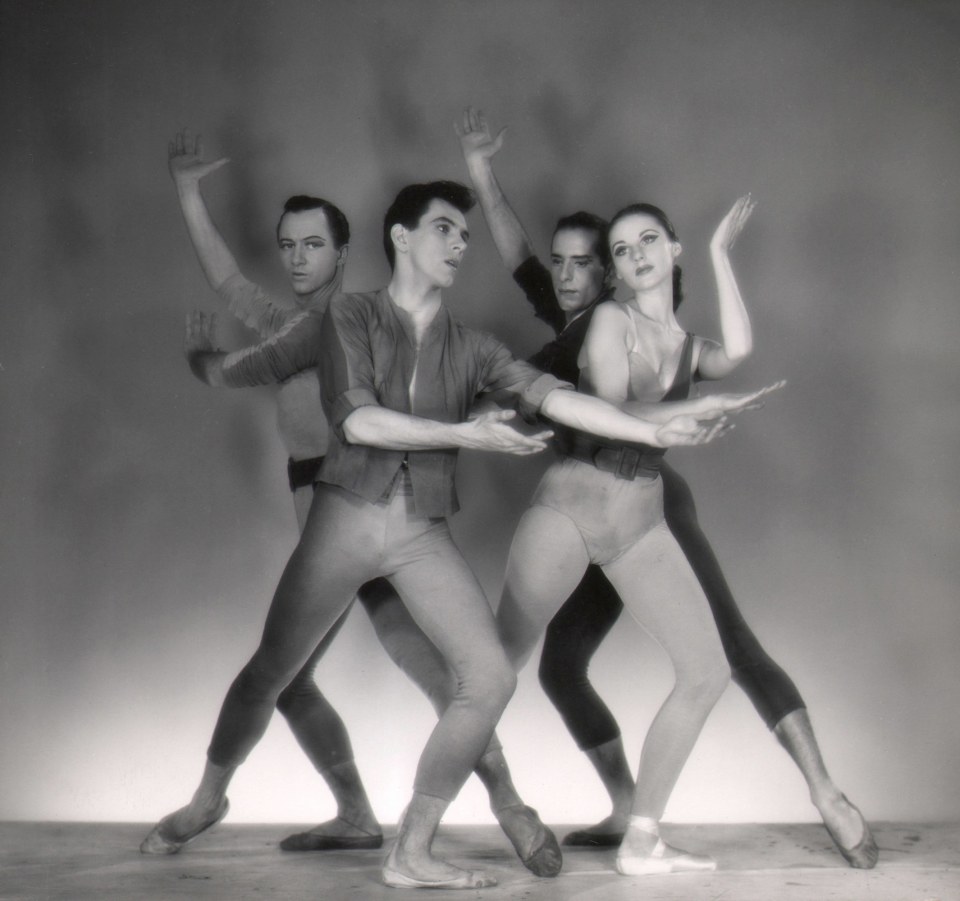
(145, 518)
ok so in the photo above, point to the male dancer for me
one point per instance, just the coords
(313, 237)
(398, 376)
(565, 297)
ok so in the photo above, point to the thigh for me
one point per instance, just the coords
(547, 560)
(446, 601)
(661, 592)
(334, 556)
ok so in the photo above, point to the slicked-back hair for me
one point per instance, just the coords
(336, 220)
(588, 222)
(411, 203)
(648, 209)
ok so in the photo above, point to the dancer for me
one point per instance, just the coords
(313, 238)
(398, 375)
(565, 297)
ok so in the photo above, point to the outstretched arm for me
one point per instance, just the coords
(479, 148)
(381, 427)
(187, 168)
(717, 360)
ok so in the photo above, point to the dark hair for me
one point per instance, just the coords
(339, 227)
(648, 209)
(412, 202)
(581, 221)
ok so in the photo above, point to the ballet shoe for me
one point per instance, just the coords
(314, 841)
(468, 879)
(157, 843)
(544, 857)
(863, 856)
(658, 863)
(583, 838)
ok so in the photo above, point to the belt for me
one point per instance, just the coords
(624, 462)
(303, 473)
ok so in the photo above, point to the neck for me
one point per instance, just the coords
(415, 295)
(656, 304)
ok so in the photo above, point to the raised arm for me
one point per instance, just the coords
(479, 148)
(187, 168)
(717, 360)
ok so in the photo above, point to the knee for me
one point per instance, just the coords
(496, 686)
(301, 691)
(707, 681)
(558, 676)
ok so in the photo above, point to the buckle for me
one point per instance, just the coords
(627, 461)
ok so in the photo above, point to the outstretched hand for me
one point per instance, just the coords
(492, 431)
(198, 337)
(185, 159)
(732, 224)
(737, 403)
(682, 431)
(475, 139)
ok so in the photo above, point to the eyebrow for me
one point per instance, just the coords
(463, 232)
(574, 256)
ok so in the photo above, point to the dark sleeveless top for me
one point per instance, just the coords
(624, 460)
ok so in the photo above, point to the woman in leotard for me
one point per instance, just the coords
(603, 504)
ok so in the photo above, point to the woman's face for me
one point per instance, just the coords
(643, 252)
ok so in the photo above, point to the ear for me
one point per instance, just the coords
(398, 234)
(677, 249)
(342, 254)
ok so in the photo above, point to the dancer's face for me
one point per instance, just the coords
(576, 269)
(307, 250)
(437, 245)
(643, 253)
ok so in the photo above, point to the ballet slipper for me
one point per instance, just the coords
(544, 857)
(658, 862)
(158, 843)
(863, 855)
(583, 838)
(315, 841)
(468, 879)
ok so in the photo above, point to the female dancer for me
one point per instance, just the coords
(602, 504)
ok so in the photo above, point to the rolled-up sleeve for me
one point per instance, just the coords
(253, 306)
(502, 372)
(347, 375)
(295, 348)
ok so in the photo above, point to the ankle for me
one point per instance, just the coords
(649, 825)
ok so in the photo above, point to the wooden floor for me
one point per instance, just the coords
(78, 861)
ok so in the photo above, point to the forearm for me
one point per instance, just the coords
(380, 427)
(661, 412)
(508, 234)
(735, 328)
(215, 258)
(590, 414)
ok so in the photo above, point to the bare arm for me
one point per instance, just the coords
(187, 168)
(479, 148)
(718, 360)
(380, 427)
